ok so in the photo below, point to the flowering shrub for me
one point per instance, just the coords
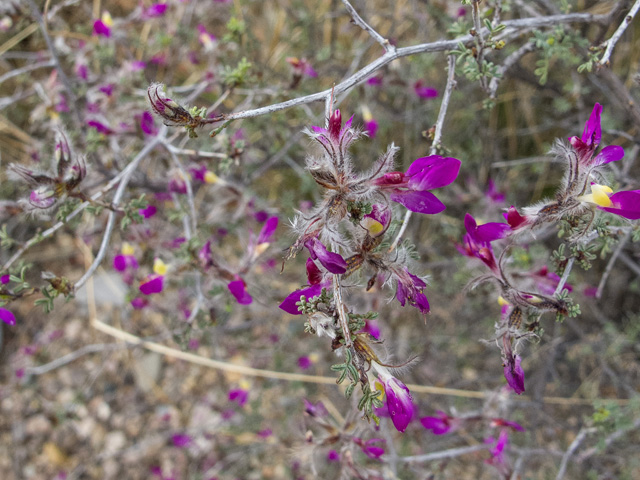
(109, 176)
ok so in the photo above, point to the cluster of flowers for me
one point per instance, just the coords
(582, 164)
(354, 215)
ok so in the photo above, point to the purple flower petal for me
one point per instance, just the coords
(101, 29)
(7, 316)
(289, 303)
(418, 202)
(514, 374)
(333, 262)
(120, 263)
(432, 172)
(154, 284)
(612, 153)
(181, 440)
(148, 212)
(238, 290)
(439, 425)
(592, 131)
(625, 203)
(314, 275)
(268, 230)
(239, 396)
(399, 403)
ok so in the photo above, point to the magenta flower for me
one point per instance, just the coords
(370, 447)
(148, 212)
(547, 281)
(301, 66)
(411, 189)
(269, 228)
(423, 91)
(315, 410)
(340, 137)
(372, 328)
(152, 284)
(7, 317)
(147, 124)
(375, 81)
(304, 363)
(333, 262)
(177, 185)
(239, 290)
(333, 456)
(122, 262)
(514, 373)
(371, 126)
(100, 28)
(440, 425)
(410, 289)
(181, 440)
(100, 127)
(501, 422)
(588, 143)
(139, 303)
(497, 449)
(82, 71)
(493, 194)
(477, 241)
(625, 203)
(314, 289)
(239, 396)
(399, 401)
(4, 279)
(515, 220)
(155, 10)
(42, 197)
(107, 89)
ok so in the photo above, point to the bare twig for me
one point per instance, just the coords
(572, 448)
(509, 62)
(444, 106)
(612, 261)
(514, 27)
(604, 61)
(628, 261)
(357, 19)
(451, 453)
(609, 440)
(565, 276)
(27, 68)
(72, 357)
(54, 57)
(116, 200)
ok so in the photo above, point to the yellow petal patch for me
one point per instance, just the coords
(244, 384)
(502, 302)
(127, 249)
(210, 177)
(373, 226)
(159, 267)
(366, 114)
(601, 194)
(106, 19)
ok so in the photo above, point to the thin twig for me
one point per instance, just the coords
(357, 19)
(565, 276)
(72, 357)
(628, 261)
(572, 448)
(612, 261)
(604, 61)
(27, 68)
(444, 106)
(514, 27)
(116, 200)
(54, 57)
(509, 62)
(451, 453)
(609, 440)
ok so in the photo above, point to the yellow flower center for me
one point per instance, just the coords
(374, 227)
(127, 249)
(210, 177)
(106, 19)
(159, 267)
(599, 195)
